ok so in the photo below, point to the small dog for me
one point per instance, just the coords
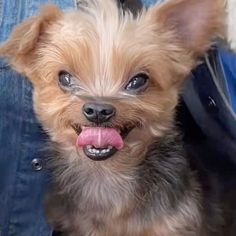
(106, 84)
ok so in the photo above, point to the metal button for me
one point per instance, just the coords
(211, 104)
(37, 164)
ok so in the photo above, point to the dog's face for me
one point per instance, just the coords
(106, 83)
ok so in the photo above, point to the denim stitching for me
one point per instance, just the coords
(3, 68)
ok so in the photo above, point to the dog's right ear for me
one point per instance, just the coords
(194, 23)
(22, 42)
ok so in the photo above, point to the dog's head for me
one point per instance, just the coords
(106, 82)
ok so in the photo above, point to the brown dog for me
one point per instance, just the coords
(106, 85)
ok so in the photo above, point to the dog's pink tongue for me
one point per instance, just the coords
(100, 137)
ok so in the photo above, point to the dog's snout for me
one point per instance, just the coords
(98, 112)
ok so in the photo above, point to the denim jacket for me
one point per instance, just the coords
(22, 176)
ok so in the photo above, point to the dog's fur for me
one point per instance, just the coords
(149, 187)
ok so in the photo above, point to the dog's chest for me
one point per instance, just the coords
(120, 226)
(106, 204)
(107, 193)
(95, 187)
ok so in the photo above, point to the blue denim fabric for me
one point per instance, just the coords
(229, 66)
(213, 113)
(21, 138)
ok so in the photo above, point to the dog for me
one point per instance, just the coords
(106, 85)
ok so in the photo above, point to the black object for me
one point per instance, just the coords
(98, 112)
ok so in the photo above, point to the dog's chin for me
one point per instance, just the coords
(105, 152)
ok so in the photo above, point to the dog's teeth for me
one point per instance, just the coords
(93, 150)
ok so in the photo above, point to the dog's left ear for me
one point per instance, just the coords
(22, 42)
(194, 23)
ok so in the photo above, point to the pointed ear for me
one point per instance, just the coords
(25, 37)
(194, 22)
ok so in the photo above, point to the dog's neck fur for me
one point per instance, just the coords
(100, 192)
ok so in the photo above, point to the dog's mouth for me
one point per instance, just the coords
(100, 143)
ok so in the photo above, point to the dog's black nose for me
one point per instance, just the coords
(98, 112)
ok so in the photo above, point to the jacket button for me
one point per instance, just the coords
(211, 105)
(37, 164)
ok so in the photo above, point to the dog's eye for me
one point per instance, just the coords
(64, 78)
(138, 83)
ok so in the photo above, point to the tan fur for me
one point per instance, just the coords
(176, 14)
(103, 49)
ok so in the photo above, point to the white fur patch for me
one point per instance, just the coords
(231, 10)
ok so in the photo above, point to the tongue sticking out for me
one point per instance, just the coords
(100, 137)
